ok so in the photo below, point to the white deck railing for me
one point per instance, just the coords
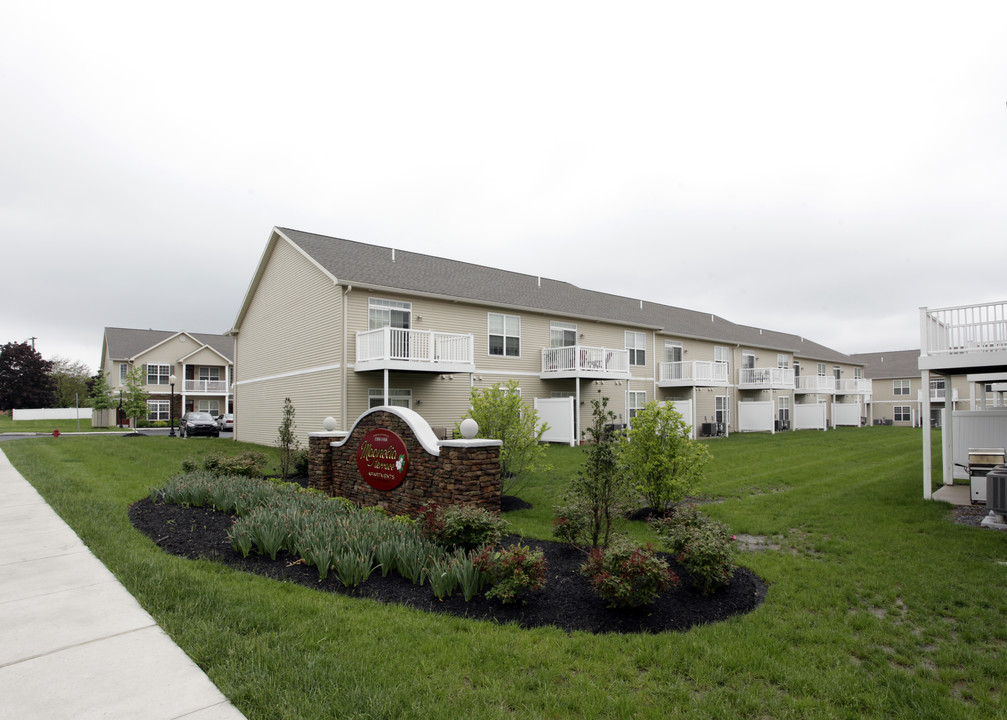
(766, 377)
(815, 383)
(858, 386)
(206, 386)
(694, 372)
(964, 329)
(582, 358)
(419, 346)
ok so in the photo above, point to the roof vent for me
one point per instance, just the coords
(393, 254)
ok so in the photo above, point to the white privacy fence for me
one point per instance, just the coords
(846, 414)
(756, 416)
(976, 429)
(558, 414)
(684, 408)
(52, 414)
(810, 416)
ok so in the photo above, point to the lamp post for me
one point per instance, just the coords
(118, 415)
(171, 411)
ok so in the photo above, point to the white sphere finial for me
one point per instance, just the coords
(469, 428)
(329, 423)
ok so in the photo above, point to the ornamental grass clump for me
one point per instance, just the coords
(626, 575)
(460, 526)
(705, 547)
(512, 571)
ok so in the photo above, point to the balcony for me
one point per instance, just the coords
(417, 350)
(697, 373)
(855, 386)
(815, 384)
(774, 378)
(209, 387)
(968, 336)
(582, 361)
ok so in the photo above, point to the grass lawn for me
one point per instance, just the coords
(878, 606)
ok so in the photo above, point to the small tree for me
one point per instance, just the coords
(659, 458)
(286, 440)
(503, 415)
(100, 396)
(599, 496)
(135, 395)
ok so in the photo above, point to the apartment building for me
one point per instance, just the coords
(340, 326)
(202, 366)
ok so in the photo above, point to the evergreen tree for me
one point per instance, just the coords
(25, 378)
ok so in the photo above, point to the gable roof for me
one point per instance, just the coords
(127, 343)
(890, 364)
(349, 262)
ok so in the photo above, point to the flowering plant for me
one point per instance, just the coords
(704, 546)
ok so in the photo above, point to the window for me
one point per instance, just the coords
(562, 394)
(209, 406)
(504, 334)
(158, 410)
(837, 373)
(209, 373)
(784, 411)
(858, 373)
(797, 372)
(396, 397)
(903, 413)
(721, 354)
(900, 387)
(821, 369)
(721, 409)
(123, 373)
(637, 399)
(937, 388)
(782, 361)
(388, 313)
(158, 374)
(747, 359)
(562, 334)
(636, 343)
(672, 351)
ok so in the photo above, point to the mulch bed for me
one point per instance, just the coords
(567, 600)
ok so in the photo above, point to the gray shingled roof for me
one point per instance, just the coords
(889, 364)
(125, 343)
(359, 263)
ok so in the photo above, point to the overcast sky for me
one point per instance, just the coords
(822, 169)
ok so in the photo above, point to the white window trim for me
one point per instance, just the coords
(156, 408)
(561, 328)
(123, 373)
(636, 344)
(401, 394)
(385, 307)
(165, 376)
(504, 335)
(905, 410)
(900, 388)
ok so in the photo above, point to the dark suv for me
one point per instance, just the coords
(198, 423)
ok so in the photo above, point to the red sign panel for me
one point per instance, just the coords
(382, 459)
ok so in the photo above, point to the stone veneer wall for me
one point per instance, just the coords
(464, 472)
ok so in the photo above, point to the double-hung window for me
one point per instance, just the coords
(903, 413)
(158, 410)
(900, 387)
(562, 334)
(209, 373)
(158, 374)
(784, 411)
(397, 397)
(636, 344)
(123, 373)
(637, 399)
(782, 361)
(504, 334)
(722, 354)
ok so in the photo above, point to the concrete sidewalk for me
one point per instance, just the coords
(73, 642)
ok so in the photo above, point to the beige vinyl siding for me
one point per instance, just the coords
(261, 408)
(294, 320)
(204, 358)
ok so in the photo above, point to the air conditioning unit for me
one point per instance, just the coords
(996, 491)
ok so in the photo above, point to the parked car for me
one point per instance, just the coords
(198, 423)
(225, 421)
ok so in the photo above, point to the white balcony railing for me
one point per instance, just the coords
(964, 329)
(584, 360)
(754, 378)
(218, 387)
(855, 386)
(387, 346)
(815, 384)
(695, 372)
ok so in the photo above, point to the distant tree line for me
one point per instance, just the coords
(27, 380)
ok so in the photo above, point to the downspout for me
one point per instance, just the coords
(342, 366)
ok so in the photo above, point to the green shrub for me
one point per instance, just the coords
(626, 575)
(300, 463)
(512, 571)
(460, 526)
(245, 464)
(703, 545)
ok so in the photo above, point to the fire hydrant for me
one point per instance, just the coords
(55, 432)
